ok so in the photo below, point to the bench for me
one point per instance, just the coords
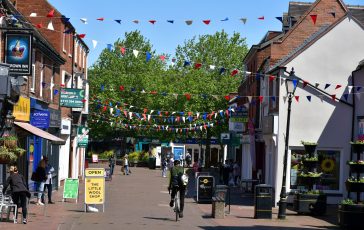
(218, 207)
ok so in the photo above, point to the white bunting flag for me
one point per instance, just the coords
(136, 53)
(201, 128)
(212, 125)
(33, 15)
(197, 115)
(246, 105)
(184, 119)
(94, 43)
(83, 20)
(249, 98)
(50, 26)
(149, 117)
(215, 115)
(350, 88)
(130, 115)
(233, 110)
(111, 111)
(173, 113)
(212, 67)
(175, 95)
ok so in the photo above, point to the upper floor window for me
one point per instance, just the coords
(76, 52)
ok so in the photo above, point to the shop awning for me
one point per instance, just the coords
(40, 133)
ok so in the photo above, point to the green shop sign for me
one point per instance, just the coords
(82, 132)
(70, 190)
(72, 98)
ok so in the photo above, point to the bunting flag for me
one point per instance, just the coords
(109, 47)
(234, 72)
(222, 70)
(250, 99)
(122, 50)
(305, 83)
(243, 20)
(162, 57)
(33, 15)
(50, 26)
(65, 19)
(327, 86)
(94, 43)
(313, 18)
(100, 19)
(152, 21)
(50, 14)
(333, 14)
(118, 21)
(170, 21)
(225, 19)
(121, 88)
(212, 67)
(317, 85)
(148, 56)
(346, 96)
(297, 98)
(308, 98)
(333, 97)
(227, 97)
(83, 20)
(188, 96)
(189, 22)
(136, 21)
(55, 92)
(186, 63)
(338, 86)
(136, 53)
(68, 31)
(198, 65)
(81, 35)
(280, 19)
(261, 99)
(261, 18)
(207, 22)
(39, 26)
(271, 78)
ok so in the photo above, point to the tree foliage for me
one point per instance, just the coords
(206, 87)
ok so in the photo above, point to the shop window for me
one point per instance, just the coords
(328, 164)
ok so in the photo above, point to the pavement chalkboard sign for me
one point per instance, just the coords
(205, 189)
(70, 190)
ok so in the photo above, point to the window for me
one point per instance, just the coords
(70, 40)
(52, 84)
(64, 41)
(32, 87)
(328, 164)
(66, 79)
(41, 76)
(76, 54)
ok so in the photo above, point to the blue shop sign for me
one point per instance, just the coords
(40, 119)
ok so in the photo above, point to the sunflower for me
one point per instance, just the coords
(328, 165)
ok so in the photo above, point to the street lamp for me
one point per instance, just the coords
(291, 85)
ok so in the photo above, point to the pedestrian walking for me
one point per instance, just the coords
(188, 159)
(40, 178)
(236, 172)
(49, 170)
(112, 164)
(126, 164)
(19, 191)
(164, 167)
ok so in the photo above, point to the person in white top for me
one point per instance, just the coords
(48, 183)
(126, 164)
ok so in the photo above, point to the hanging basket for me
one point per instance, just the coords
(354, 186)
(357, 148)
(4, 159)
(310, 149)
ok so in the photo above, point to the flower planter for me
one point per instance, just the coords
(357, 148)
(357, 168)
(354, 186)
(9, 143)
(313, 204)
(4, 160)
(310, 149)
(351, 216)
(310, 164)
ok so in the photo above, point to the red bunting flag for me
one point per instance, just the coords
(144, 116)
(153, 92)
(297, 98)
(105, 108)
(227, 112)
(261, 99)
(227, 97)
(338, 86)
(81, 35)
(234, 72)
(188, 96)
(162, 57)
(261, 18)
(198, 65)
(40, 25)
(152, 21)
(166, 113)
(206, 21)
(271, 78)
(83, 100)
(145, 110)
(121, 88)
(305, 83)
(125, 113)
(314, 18)
(189, 113)
(50, 14)
(100, 19)
(333, 97)
(122, 50)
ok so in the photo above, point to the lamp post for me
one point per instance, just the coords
(291, 85)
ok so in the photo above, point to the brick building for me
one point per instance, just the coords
(311, 32)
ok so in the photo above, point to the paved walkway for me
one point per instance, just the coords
(140, 201)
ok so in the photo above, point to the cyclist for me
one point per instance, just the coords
(176, 184)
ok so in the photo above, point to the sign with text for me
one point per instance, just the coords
(40, 118)
(82, 136)
(55, 118)
(239, 117)
(72, 98)
(18, 53)
(205, 188)
(21, 110)
(70, 190)
(94, 186)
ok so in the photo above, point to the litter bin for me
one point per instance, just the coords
(151, 163)
(221, 191)
(263, 201)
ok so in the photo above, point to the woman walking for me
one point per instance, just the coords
(41, 179)
(19, 191)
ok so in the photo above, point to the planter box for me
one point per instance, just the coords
(351, 216)
(357, 148)
(312, 204)
(310, 149)
(310, 164)
(354, 186)
(357, 168)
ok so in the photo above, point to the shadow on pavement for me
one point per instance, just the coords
(260, 227)
(159, 218)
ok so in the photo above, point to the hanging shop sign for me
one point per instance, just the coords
(73, 98)
(239, 117)
(21, 110)
(18, 53)
(82, 132)
(40, 118)
(55, 118)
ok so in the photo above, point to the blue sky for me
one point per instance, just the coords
(165, 36)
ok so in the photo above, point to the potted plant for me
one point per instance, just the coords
(10, 155)
(310, 147)
(351, 214)
(9, 141)
(355, 185)
(356, 166)
(357, 146)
